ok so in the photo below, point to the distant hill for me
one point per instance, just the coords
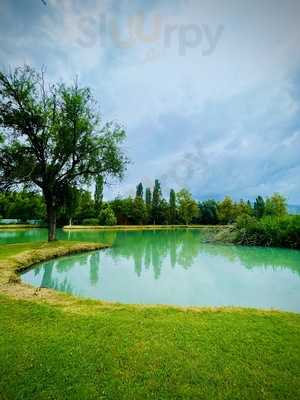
(293, 209)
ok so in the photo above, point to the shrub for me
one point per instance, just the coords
(269, 231)
(90, 221)
(107, 216)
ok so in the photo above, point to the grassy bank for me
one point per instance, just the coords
(15, 258)
(55, 346)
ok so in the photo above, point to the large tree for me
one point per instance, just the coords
(187, 206)
(52, 138)
(209, 212)
(227, 211)
(148, 202)
(156, 202)
(172, 206)
(139, 190)
(259, 207)
(148, 197)
(139, 211)
(276, 205)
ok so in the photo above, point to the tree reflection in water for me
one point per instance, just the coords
(94, 264)
(152, 249)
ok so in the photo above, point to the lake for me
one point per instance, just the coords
(169, 267)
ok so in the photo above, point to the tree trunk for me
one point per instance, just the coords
(51, 216)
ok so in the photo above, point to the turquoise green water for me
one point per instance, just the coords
(170, 267)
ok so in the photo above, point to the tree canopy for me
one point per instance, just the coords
(187, 207)
(99, 193)
(172, 205)
(81, 208)
(53, 138)
(139, 190)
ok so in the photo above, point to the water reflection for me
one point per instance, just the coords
(8, 236)
(150, 249)
(94, 266)
(175, 267)
(38, 234)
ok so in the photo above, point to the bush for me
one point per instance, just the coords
(107, 216)
(269, 231)
(90, 221)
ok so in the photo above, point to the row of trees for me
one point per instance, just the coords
(23, 206)
(53, 141)
(152, 208)
(181, 208)
(146, 207)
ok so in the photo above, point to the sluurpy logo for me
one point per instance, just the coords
(154, 32)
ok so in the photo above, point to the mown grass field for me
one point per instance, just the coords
(150, 353)
(95, 350)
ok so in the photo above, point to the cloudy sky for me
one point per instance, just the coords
(209, 91)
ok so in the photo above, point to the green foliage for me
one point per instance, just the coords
(173, 208)
(156, 202)
(276, 206)
(85, 206)
(148, 202)
(187, 207)
(98, 197)
(275, 228)
(107, 216)
(72, 197)
(90, 221)
(259, 207)
(139, 190)
(209, 212)
(148, 197)
(244, 208)
(227, 211)
(163, 214)
(139, 211)
(269, 231)
(53, 138)
(123, 210)
(22, 205)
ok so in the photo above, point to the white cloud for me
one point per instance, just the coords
(238, 103)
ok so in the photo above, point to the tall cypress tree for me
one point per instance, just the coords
(148, 197)
(139, 190)
(259, 207)
(148, 201)
(156, 202)
(172, 207)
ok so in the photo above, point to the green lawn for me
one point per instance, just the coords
(153, 353)
(81, 349)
